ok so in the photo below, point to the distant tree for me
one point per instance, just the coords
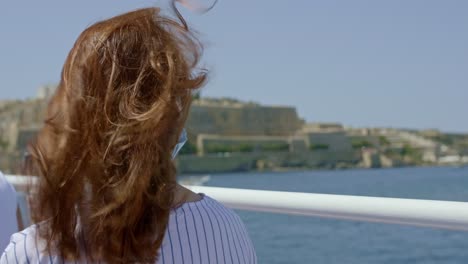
(444, 139)
(319, 147)
(188, 149)
(383, 141)
(407, 150)
(228, 148)
(274, 147)
(245, 148)
(361, 144)
(414, 155)
(3, 145)
(196, 95)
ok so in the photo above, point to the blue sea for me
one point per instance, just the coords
(300, 239)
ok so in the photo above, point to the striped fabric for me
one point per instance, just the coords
(198, 232)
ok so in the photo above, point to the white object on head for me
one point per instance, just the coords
(196, 6)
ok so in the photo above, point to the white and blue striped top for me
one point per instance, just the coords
(198, 232)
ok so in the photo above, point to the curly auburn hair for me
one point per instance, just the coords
(104, 153)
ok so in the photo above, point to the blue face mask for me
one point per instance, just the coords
(180, 143)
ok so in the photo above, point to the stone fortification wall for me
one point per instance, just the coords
(19, 116)
(204, 118)
(25, 113)
(244, 120)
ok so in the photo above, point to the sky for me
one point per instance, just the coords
(398, 63)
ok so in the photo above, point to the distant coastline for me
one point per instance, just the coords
(228, 135)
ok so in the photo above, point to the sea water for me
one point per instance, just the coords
(282, 238)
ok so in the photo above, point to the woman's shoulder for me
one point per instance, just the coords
(215, 228)
(20, 247)
(215, 216)
(207, 206)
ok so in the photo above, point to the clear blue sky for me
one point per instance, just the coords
(395, 63)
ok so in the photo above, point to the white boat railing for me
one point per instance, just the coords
(428, 213)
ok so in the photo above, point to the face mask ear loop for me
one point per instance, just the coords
(180, 143)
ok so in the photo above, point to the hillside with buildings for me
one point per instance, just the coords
(230, 135)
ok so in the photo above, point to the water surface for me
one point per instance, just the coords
(299, 239)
